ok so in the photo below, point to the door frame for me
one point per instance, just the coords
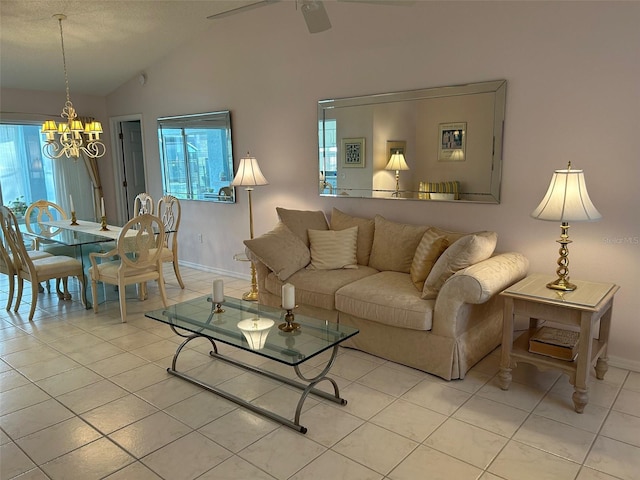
(115, 127)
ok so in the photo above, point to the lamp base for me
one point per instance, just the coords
(562, 285)
(250, 296)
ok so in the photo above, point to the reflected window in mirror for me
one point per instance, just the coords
(196, 156)
(449, 135)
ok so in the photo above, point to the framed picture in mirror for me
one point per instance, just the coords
(451, 142)
(353, 153)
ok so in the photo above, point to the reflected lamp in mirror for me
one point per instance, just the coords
(255, 331)
(566, 201)
(397, 163)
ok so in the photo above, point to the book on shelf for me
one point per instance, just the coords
(555, 342)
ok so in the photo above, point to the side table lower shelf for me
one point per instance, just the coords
(520, 352)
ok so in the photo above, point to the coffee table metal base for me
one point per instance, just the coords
(307, 388)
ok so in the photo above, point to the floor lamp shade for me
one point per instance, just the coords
(249, 173)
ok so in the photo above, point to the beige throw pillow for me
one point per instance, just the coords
(394, 245)
(280, 250)
(341, 221)
(466, 251)
(429, 249)
(333, 249)
(299, 221)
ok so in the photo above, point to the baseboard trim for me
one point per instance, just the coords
(219, 271)
(624, 363)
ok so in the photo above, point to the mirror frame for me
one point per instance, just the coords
(214, 174)
(495, 90)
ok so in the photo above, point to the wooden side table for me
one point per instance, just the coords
(584, 307)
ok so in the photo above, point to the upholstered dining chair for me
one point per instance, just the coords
(35, 270)
(169, 211)
(43, 211)
(138, 260)
(143, 203)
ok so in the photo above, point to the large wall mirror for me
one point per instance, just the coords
(440, 143)
(196, 156)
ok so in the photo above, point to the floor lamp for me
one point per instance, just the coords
(249, 175)
(397, 163)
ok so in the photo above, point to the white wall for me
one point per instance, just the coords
(573, 72)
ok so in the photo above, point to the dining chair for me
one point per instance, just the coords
(170, 212)
(143, 203)
(43, 211)
(35, 270)
(138, 260)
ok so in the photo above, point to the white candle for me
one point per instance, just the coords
(102, 206)
(218, 291)
(73, 209)
(288, 296)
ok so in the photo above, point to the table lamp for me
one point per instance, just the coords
(397, 163)
(566, 201)
(249, 176)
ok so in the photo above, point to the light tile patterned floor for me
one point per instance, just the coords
(84, 396)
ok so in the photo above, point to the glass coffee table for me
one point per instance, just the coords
(255, 328)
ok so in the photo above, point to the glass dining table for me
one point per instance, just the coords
(81, 239)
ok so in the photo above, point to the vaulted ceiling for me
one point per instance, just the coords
(107, 42)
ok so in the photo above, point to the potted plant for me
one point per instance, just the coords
(18, 206)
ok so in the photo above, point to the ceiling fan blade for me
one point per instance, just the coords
(315, 15)
(241, 9)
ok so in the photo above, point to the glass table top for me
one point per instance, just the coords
(64, 235)
(292, 348)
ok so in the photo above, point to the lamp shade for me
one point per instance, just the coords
(248, 173)
(567, 199)
(397, 162)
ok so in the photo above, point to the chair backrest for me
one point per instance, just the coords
(6, 263)
(42, 211)
(13, 237)
(170, 211)
(139, 251)
(143, 203)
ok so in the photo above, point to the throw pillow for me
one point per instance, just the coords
(394, 245)
(299, 221)
(280, 250)
(429, 249)
(341, 221)
(333, 249)
(466, 251)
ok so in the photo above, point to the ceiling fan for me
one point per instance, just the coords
(313, 11)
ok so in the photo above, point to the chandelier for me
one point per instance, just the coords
(73, 138)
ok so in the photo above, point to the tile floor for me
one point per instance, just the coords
(84, 396)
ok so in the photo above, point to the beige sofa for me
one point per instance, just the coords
(420, 296)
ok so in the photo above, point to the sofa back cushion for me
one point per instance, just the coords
(394, 245)
(333, 249)
(299, 221)
(432, 245)
(280, 250)
(341, 221)
(466, 251)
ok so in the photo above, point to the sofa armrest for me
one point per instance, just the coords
(474, 285)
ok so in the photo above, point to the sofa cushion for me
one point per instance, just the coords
(341, 221)
(429, 249)
(280, 250)
(394, 245)
(333, 249)
(299, 221)
(318, 288)
(386, 297)
(466, 251)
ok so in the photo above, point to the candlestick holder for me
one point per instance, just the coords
(218, 308)
(73, 218)
(103, 224)
(289, 325)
